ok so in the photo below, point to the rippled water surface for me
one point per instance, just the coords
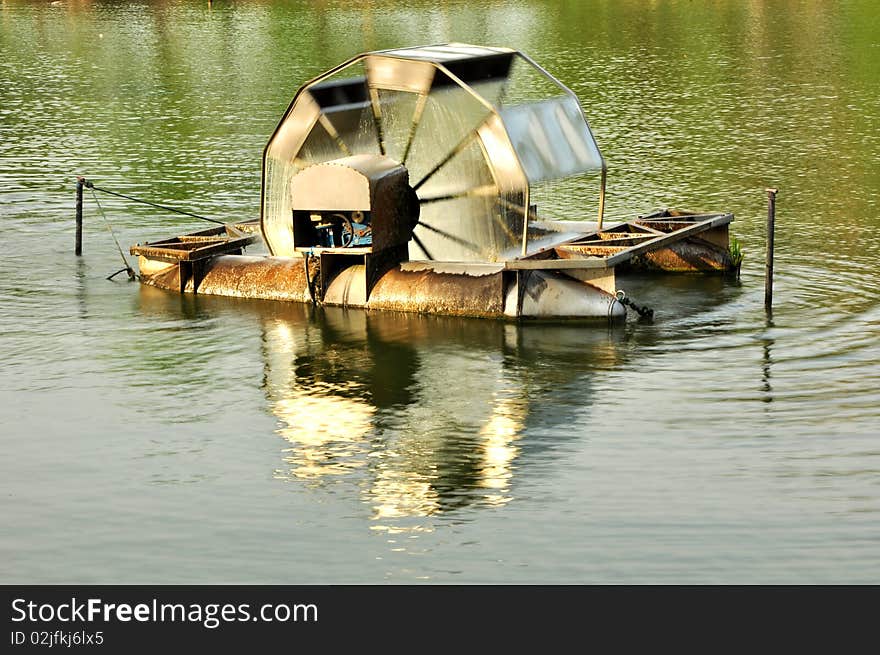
(149, 437)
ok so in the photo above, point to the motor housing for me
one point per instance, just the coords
(362, 201)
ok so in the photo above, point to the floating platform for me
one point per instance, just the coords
(573, 276)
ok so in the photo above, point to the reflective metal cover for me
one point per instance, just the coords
(551, 139)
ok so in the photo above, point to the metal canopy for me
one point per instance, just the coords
(465, 122)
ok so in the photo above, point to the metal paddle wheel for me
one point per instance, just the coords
(474, 128)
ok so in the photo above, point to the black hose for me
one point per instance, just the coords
(641, 310)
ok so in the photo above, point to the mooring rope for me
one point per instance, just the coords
(88, 184)
(128, 269)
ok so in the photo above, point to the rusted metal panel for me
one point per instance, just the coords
(680, 233)
(666, 242)
(195, 246)
(522, 294)
(581, 261)
(271, 278)
(663, 232)
(691, 256)
(624, 238)
(456, 268)
(427, 291)
(574, 251)
(240, 276)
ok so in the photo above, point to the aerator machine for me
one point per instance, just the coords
(420, 179)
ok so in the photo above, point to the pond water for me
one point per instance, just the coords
(154, 438)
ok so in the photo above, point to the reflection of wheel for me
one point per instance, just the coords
(347, 235)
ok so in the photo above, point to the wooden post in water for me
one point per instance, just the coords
(79, 215)
(768, 269)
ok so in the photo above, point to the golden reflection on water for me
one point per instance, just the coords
(414, 416)
(402, 493)
(418, 416)
(499, 449)
(327, 433)
(326, 423)
(343, 415)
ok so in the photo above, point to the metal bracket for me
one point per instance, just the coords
(191, 270)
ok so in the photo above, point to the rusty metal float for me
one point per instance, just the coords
(412, 179)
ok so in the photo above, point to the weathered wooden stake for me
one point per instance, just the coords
(79, 215)
(768, 269)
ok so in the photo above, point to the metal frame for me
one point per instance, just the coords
(573, 95)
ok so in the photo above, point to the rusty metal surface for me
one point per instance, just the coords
(198, 245)
(574, 251)
(657, 234)
(192, 250)
(691, 256)
(495, 294)
(476, 269)
(480, 290)
(241, 276)
(248, 227)
(624, 238)
(427, 291)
